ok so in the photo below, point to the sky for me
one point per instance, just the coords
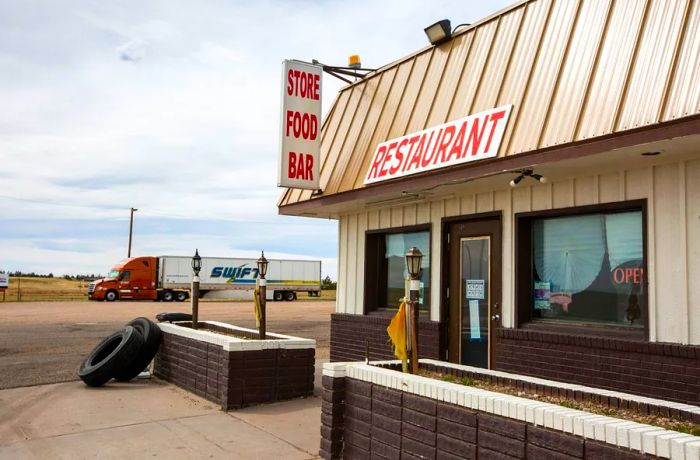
(171, 107)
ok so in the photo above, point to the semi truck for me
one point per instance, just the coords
(168, 278)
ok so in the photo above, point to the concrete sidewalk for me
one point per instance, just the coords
(149, 418)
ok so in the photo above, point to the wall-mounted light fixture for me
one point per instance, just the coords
(527, 173)
(439, 32)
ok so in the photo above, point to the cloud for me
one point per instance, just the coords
(133, 51)
(172, 109)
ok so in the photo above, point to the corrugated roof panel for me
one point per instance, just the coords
(647, 84)
(369, 127)
(349, 144)
(614, 60)
(576, 73)
(453, 71)
(683, 97)
(473, 69)
(385, 121)
(407, 105)
(340, 137)
(499, 58)
(521, 63)
(329, 132)
(544, 76)
(573, 70)
(429, 86)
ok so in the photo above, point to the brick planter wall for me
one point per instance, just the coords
(659, 370)
(233, 372)
(350, 334)
(370, 412)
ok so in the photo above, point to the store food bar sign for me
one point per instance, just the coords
(300, 125)
(471, 138)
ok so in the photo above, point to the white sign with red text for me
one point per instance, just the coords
(300, 125)
(471, 138)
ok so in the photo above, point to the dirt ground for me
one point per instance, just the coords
(44, 342)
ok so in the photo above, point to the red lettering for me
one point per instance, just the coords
(398, 157)
(309, 167)
(303, 125)
(446, 140)
(301, 174)
(458, 146)
(378, 158)
(495, 117)
(410, 155)
(475, 136)
(387, 158)
(427, 159)
(303, 84)
(292, 168)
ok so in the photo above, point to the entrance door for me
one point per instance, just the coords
(474, 290)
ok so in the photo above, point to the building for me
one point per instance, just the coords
(592, 276)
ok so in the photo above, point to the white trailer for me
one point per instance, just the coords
(285, 278)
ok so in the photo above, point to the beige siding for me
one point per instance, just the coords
(673, 195)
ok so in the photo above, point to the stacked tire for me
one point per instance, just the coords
(123, 355)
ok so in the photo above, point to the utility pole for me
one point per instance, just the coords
(131, 228)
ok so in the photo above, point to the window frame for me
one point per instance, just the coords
(374, 293)
(523, 262)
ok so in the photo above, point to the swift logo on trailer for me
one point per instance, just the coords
(471, 138)
(234, 273)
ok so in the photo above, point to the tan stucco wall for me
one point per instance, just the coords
(673, 194)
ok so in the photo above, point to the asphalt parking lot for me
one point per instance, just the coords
(44, 342)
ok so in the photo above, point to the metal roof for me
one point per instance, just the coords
(573, 70)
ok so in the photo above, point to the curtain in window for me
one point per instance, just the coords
(624, 234)
(569, 251)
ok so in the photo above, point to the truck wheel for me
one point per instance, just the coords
(289, 296)
(111, 355)
(111, 296)
(151, 341)
(168, 296)
(277, 296)
(181, 296)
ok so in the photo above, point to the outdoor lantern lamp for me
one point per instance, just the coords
(196, 267)
(262, 295)
(413, 262)
(414, 258)
(262, 265)
(196, 262)
(439, 32)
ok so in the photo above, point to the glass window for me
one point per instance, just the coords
(589, 268)
(397, 244)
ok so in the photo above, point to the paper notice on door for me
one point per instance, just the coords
(475, 289)
(474, 322)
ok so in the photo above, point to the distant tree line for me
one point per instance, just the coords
(78, 277)
(328, 284)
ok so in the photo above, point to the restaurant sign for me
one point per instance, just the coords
(300, 125)
(467, 139)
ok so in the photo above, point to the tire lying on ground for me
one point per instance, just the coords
(151, 341)
(173, 316)
(112, 354)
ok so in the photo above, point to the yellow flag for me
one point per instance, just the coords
(397, 334)
(258, 310)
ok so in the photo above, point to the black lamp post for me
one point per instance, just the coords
(196, 267)
(262, 285)
(414, 259)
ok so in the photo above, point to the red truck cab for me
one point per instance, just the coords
(130, 279)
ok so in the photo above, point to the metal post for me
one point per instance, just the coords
(263, 300)
(413, 312)
(131, 228)
(19, 288)
(195, 301)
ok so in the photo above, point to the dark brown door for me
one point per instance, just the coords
(474, 252)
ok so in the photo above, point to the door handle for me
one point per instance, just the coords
(496, 317)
